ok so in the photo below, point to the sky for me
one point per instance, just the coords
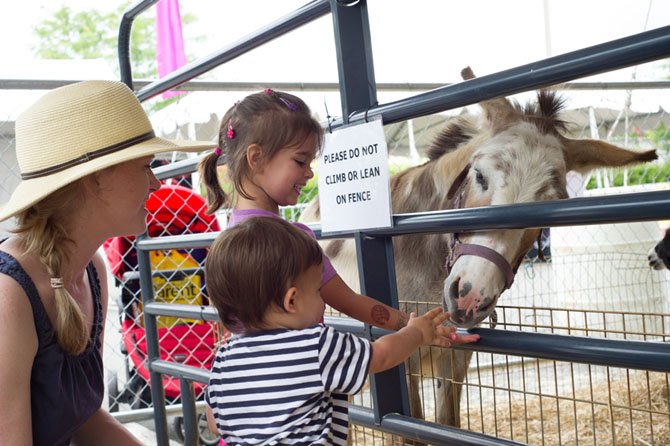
(429, 42)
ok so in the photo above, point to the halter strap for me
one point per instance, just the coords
(458, 182)
(467, 249)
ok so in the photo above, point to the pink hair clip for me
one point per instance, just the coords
(268, 91)
(217, 151)
(231, 133)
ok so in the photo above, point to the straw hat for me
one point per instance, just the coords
(79, 129)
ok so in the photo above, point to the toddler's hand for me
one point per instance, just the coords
(449, 332)
(430, 327)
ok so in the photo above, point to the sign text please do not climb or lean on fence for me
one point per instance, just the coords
(354, 179)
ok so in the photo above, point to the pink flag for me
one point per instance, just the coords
(170, 42)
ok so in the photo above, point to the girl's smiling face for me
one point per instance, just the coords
(283, 176)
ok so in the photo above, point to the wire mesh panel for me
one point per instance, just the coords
(178, 278)
(551, 402)
(545, 402)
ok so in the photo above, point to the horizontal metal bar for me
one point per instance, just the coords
(201, 240)
(644, 355)
(352, 326)
(182, 167)
(621, 53)
(167, 273)
(643, 206)
(179, 370)
(289, 22)
(433, 433)
(201, 312)
(129, 416)
(209, 86)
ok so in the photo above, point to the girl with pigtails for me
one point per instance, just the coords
(267, 142)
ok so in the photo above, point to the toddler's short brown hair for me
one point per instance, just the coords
(251, 265)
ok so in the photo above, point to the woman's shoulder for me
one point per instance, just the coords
(16, 260)
(18, 272)
(15, 307)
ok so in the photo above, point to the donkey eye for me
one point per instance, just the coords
(481, 180)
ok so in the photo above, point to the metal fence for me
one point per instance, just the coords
(531, 380)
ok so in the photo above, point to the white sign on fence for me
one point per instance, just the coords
(354, 179)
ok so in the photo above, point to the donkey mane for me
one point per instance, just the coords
(458, 131)
(544, 114)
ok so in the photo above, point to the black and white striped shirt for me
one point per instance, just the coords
(287, 387)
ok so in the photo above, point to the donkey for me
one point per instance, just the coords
(511, 154)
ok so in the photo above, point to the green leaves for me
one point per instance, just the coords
(93, 34)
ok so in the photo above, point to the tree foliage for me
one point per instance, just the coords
(93, 34)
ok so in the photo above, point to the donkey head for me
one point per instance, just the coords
(516, 155)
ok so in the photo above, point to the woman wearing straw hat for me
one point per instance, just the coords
(84, 152)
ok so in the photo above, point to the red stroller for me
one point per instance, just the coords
(177, 278)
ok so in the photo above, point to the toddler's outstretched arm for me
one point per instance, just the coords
(390, 350)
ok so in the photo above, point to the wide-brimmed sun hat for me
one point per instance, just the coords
(77, 130)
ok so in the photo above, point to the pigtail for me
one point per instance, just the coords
(208, 170)
(47, 238)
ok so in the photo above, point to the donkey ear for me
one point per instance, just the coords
(583, 155)
(499, 112)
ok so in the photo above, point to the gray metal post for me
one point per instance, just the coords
(190, 415)
(125, 28)
(377, 274)
(151, 333)
(358, 89)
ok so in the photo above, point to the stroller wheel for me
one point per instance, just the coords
(205, 436)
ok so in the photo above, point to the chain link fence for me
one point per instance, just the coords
(595, 280)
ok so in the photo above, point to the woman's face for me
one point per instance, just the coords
(122, 194)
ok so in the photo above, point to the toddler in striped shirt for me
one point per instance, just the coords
(285, 377)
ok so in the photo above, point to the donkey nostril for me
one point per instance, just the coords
(487, 304)
(453, 289)
(458, 317)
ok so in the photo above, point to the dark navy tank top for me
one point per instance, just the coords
(65, 390)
